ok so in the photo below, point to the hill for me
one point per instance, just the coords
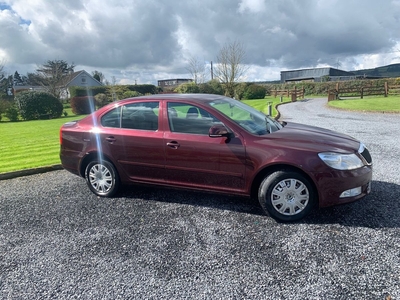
(385, 71)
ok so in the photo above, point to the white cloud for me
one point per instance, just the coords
(150, 40)
(253, 6)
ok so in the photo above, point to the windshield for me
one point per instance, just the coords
(246, 116)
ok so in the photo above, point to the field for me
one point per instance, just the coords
(30, 144)
(372, 104)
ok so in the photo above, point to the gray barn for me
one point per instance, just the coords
(316, 75)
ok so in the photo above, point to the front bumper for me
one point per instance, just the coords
(339, 187)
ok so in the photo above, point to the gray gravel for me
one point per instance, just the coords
(58, 240)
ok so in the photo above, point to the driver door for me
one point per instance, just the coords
(193, 158)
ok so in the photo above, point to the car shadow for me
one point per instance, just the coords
(380, 209)
(193, 198)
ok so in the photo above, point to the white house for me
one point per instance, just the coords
(79, 78)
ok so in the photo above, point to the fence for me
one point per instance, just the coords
(380, 90)
(393, 89)
(294, 94)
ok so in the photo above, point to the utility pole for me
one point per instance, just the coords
(212, 72)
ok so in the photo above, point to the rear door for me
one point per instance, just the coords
(136, 144)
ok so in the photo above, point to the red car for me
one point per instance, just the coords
(215, 143)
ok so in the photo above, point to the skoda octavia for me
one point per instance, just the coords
(218, 144)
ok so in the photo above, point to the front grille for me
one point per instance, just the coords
(365, 154)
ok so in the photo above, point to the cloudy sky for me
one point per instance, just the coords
(149, 40)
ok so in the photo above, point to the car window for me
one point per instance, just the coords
(187, 118)
(141, 115)
(112, 118)
(250, 119)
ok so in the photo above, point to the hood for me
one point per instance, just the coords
(314, 138)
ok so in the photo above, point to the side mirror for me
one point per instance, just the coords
(218, 130)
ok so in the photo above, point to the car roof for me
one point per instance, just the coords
(178, 97)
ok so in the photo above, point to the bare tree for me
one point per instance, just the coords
(53, 76)
(197, 70)
(230, 68)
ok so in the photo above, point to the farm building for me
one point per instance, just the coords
(316, 75)
(172, 83)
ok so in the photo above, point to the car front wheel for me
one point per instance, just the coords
(286, 196)
(102, 178)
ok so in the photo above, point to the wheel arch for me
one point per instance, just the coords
(279, 167)
(89, 157)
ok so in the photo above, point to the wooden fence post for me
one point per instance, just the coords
(294, 95)
(386, 89)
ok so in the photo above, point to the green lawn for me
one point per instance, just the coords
(262, 104)
(372, 104)
(30, 144)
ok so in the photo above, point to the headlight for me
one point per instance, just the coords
(341, 161)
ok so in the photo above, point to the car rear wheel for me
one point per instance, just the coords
(286, 196)
(102, 178)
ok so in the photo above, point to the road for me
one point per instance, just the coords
(59, 241)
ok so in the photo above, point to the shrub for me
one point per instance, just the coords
(211, 87)
(83, 105)
(143, 89)
(254, 91)
(188, 88)
(4, 105)
(240, 89)
(38, 105)
(78, 91)
(12, 113)
(131, 94)
(101, 100)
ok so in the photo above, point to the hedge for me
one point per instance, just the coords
(112, 90)
(83, 105)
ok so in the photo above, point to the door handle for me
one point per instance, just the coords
(110, 139)
(173, 145)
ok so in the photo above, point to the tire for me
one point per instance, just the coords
(286, 196)
(102, 178)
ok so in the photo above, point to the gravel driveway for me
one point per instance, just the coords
(59, 241)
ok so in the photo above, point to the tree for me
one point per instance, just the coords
(17, 79)
(53, 76)
(5, 83)
(230, 68)
(98, 76)
(1, 69)
(196, 69)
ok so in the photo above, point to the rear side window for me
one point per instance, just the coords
(112, 118)
(140, 115)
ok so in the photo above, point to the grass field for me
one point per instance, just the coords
(371, 104)
(262, 104)
(30, 144)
